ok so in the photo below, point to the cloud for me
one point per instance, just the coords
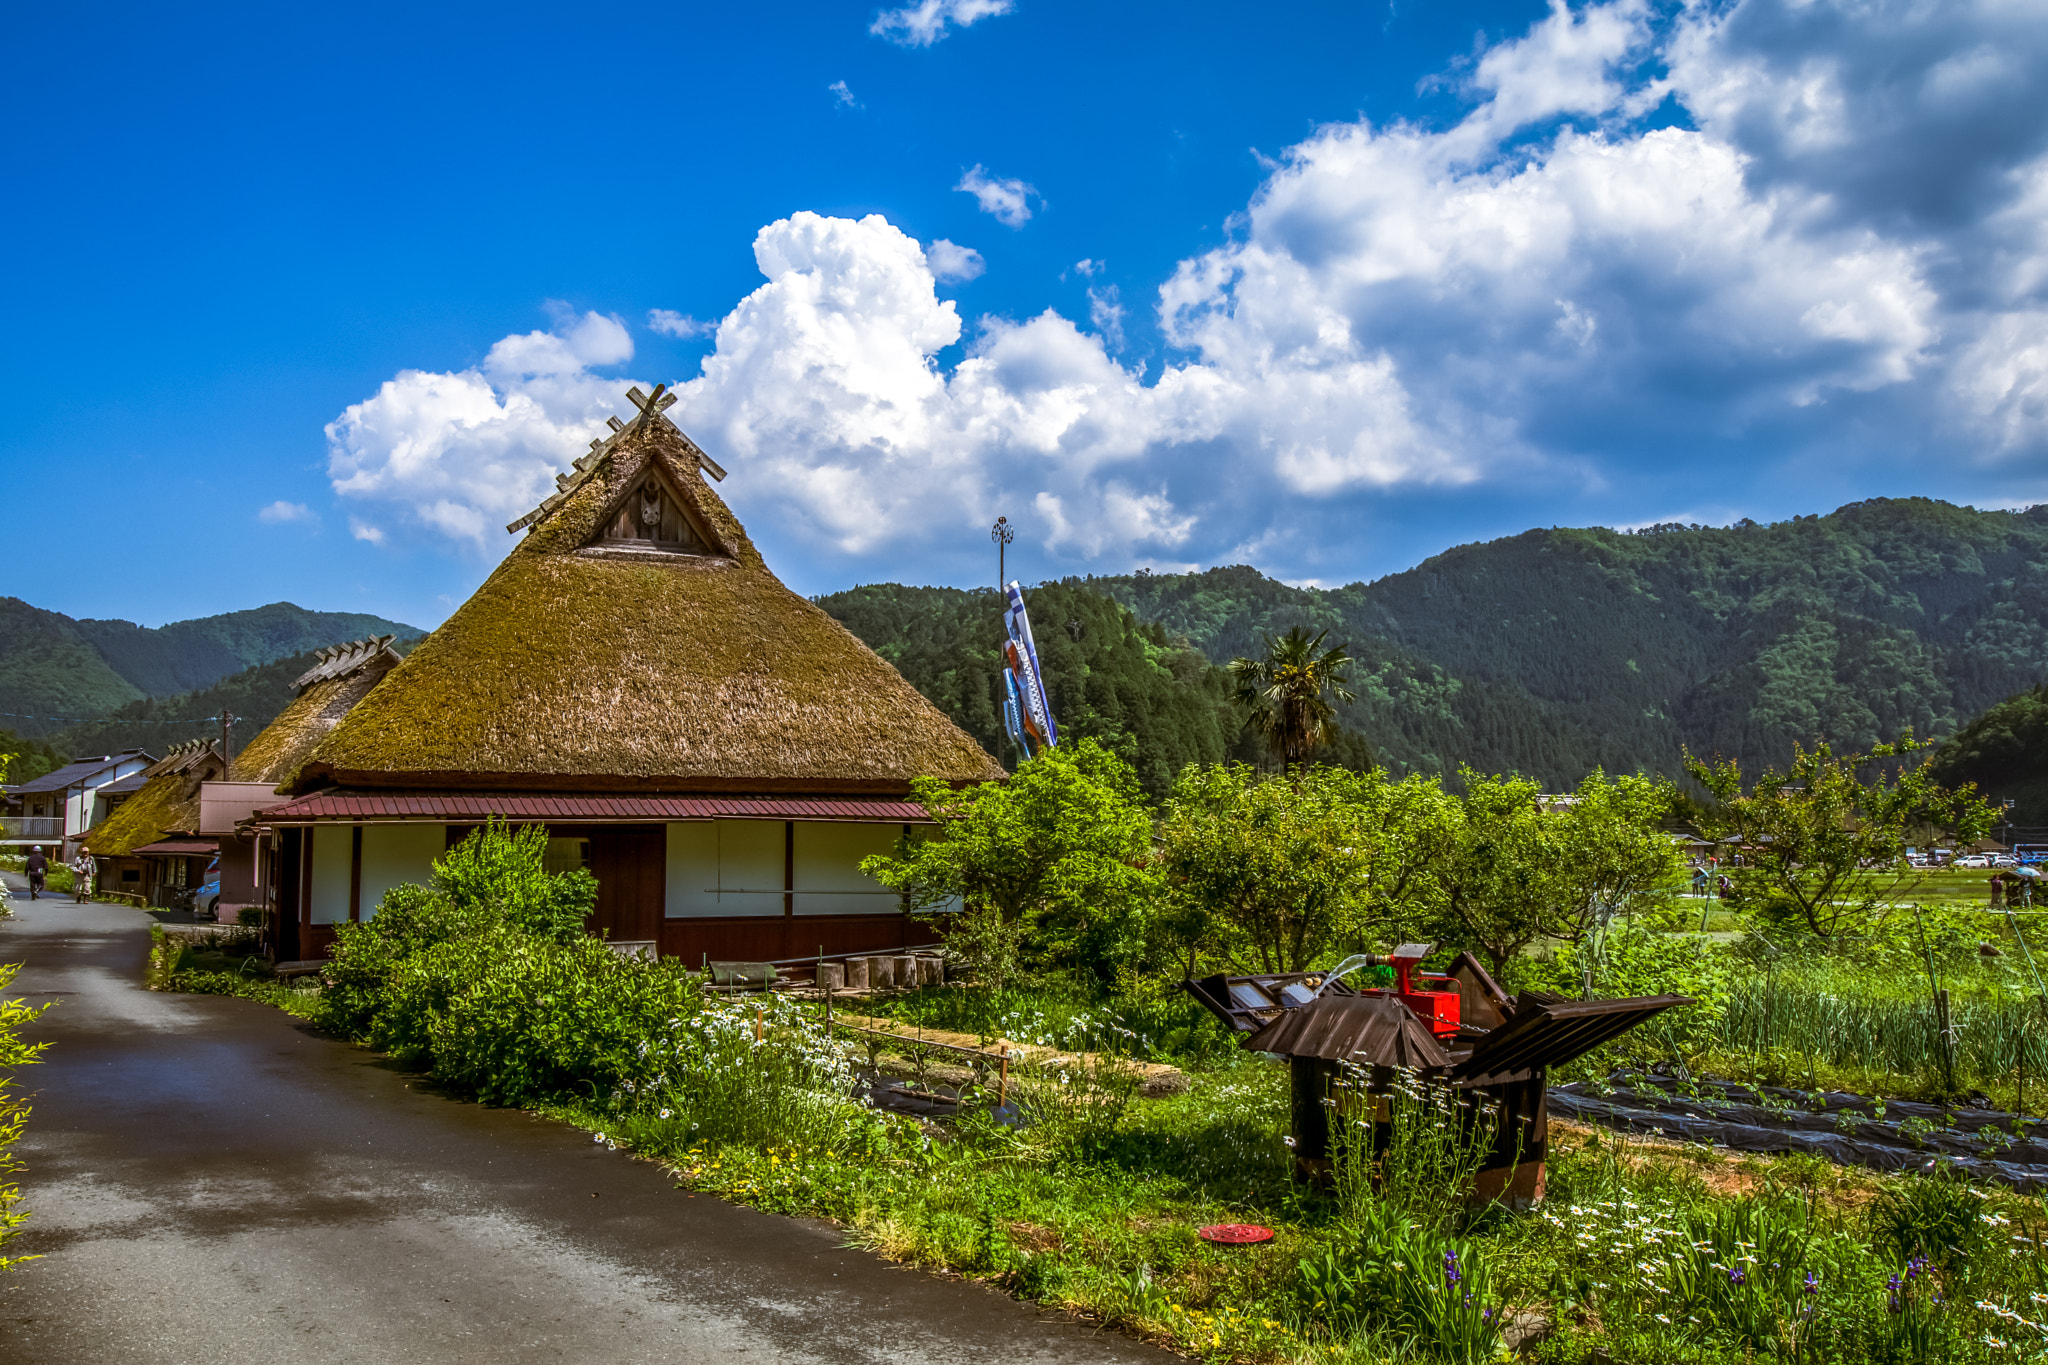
(280, 512)
(462, 453)
(670, 323)
(954, 264)
(1106, 312)
(1553, 293)
(926, 22)
(1088, 268)
(1007, 201)
(362, 530)
(842, 97)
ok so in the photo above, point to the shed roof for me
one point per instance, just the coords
(74, 772)
(1367, 1030)
(584, 665)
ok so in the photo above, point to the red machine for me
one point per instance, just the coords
(1436, 1008)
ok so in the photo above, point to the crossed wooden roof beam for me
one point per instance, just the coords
(652, 409)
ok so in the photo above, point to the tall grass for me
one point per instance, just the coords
(1845, 1020)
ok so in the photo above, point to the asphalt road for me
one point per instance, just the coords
(212, 1182)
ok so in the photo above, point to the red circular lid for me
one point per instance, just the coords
(1235, 1234)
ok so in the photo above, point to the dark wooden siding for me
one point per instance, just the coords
(630, 863)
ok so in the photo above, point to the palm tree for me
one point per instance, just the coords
(1290, 691)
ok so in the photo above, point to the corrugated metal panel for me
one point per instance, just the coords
(1369, 1030)
(464, 806)
(1547, 1033)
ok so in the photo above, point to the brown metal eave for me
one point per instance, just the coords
(317, 775)
(1549, 1034)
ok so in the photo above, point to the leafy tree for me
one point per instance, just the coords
(1290, 691)
(1823, 846)
(1614, 859)
(1484, 863)
(1059, 853)
(1505, 871)
(1270, 871)
(1399, 825)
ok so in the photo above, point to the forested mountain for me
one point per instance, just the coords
(255, 696)
(1558, 650)
(1132, 686)
(2005, 752)
(55, 671)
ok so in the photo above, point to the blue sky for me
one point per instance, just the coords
(325, 298)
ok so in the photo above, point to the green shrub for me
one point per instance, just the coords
(522, 1018)
(13, 1112)
(1936, 1215)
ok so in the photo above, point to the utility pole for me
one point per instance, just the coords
(227, 723)
(1002, 533)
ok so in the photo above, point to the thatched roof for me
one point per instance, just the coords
(167, 804)
(327, 692)
(585, 663)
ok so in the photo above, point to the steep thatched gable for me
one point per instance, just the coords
(327, 692)
(167, 804)
(585, 664)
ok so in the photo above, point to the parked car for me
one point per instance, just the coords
(1972, 860)
(206, 900)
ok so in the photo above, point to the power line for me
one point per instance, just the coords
(110, 720)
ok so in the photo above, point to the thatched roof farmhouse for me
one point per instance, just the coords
(715, 748)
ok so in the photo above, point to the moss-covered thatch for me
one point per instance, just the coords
(167, 804)
(586, 668)
(283, 746)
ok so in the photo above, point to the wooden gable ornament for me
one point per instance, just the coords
(651, 518)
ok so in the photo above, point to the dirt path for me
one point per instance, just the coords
(211, 1181)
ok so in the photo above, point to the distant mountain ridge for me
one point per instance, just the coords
(1558, 649)
(1555, 651)
(55, 671)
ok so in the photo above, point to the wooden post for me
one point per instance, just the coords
(757, 1023)
(828, 990)
(1003, 1081)
(1946, 1039)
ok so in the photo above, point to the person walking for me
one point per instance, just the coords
(81, 878)
(38, 868)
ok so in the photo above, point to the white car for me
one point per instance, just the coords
(1972, 860)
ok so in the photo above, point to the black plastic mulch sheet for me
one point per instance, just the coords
(1843, 1128)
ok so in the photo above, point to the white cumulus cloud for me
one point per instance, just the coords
(927, 21)
(1549, 292)
(953, 264)
(1007, 201)
(464, 452)
(670, 323)
(281, 512)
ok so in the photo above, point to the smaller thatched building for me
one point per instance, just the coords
(341, 676)
(150, 845)
(717, 750)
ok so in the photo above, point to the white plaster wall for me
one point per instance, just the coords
(724, 867)
(333, 852)
(828, 876)
(394, 855)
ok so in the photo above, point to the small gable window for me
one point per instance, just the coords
(650, 518)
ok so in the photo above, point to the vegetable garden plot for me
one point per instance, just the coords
(1849, 1130)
